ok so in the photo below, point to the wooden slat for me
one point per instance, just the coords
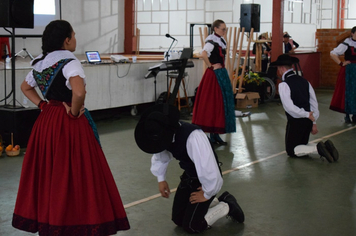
(244, 65)
(239, 58)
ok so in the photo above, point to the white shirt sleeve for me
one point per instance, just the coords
(313, 103)
(339, 50)
(208, 47)
(159, 164)
(71, 69)
(30, 80)
(201, 153)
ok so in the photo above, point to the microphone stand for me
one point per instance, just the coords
(167, 56)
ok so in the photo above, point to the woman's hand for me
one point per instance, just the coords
(196, 197)
(70, 113)
(345, 63)
(216, 66)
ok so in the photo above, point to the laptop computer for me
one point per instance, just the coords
(94, 58)
(187, 53)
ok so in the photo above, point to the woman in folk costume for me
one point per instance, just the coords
(66, 186)
(344, 97)
(214, 108)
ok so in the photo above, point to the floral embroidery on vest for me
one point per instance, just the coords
(44, 78)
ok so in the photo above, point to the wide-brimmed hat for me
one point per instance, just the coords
(156, 127)
(286, 35)
(284, 60)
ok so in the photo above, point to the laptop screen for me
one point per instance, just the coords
(186, 53)
(93, 56)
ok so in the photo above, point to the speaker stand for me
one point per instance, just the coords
(24, 51)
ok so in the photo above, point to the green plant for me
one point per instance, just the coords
(253, 77)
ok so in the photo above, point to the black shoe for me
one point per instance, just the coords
(332, 150)
(324, 152)
(347, 119)
(212, 138)
(235, 210)
(219, 140)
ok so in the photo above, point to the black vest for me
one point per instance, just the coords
(350, 53)
(179, 148)
(299, 88)
(215, 55)
(52, 82)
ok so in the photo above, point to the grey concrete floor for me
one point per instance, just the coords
(279, 195)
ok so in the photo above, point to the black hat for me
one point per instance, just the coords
(156, 127)
(285, 60)
(286, 35)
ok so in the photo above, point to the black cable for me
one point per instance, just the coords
(6, 97)
(117, 71)
(7, 30)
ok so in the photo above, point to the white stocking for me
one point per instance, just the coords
(216, 212)
(301, 150)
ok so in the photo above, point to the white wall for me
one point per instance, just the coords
(99, 25)
(155, 18)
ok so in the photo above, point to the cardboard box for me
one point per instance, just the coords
(247, 100)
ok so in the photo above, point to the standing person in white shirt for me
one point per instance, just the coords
(195, 206)
(301, 106)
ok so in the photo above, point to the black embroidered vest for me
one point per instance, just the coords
(52, 83)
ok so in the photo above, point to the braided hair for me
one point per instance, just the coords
(53, 37)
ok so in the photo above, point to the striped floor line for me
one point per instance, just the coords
(239, 167)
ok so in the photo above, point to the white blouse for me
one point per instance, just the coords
(208, 47)
(71, 69)
(341, 48)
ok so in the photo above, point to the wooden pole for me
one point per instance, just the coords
(202, 46)
(201, 38)
(137, 41)
(244, 65)
(206, 32)
(232, 64)
(238, 59)
(227, 62)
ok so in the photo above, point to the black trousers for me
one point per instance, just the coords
(187, 215)
(297, 133)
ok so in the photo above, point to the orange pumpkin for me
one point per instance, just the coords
(9, 148)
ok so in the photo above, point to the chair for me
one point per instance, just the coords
(4, 43)
(173, 76)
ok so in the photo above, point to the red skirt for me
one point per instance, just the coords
(338, 99)
(208, 111)
(66, 186)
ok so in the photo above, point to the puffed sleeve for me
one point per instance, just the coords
(340, 49)
(159, 164)
(30, 80)
(200, 152)
(73, 68)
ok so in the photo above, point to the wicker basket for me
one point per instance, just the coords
(12, 153)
